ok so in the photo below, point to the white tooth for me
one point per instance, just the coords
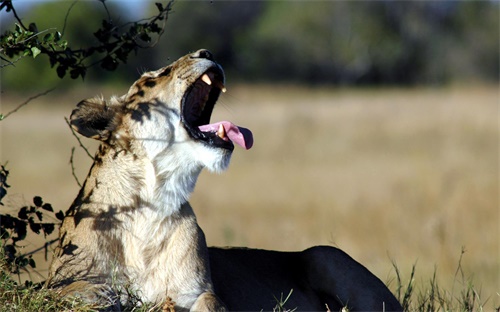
(206, 79)
(220, 85)
(221, 133)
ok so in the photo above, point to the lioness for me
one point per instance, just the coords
(131, 229)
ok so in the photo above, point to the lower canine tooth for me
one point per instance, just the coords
(220, 85)
(221, 133)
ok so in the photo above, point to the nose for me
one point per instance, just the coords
(203, 54)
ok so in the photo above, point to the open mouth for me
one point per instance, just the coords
(197, 106)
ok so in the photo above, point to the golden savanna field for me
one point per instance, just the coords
(388, 175)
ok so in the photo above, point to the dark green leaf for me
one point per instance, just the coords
(39, 214)
(109, 63)
(32, 263)
(155, 28)
(37, 200)
(35, 51)
(21, 262)
(60, 215)
(3, 192)
(23, 213)
(35, 227)
(8, 221)
(53, 61)
(32, 27)
(48, 228)
(61, 71)
(48, 37)
(145, 37)
(4, 234)
(47, 207)
(74, 73)
(21, 231)
(10, 250)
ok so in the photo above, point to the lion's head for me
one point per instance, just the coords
(166, 114)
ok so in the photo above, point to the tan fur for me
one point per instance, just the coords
(131, 230)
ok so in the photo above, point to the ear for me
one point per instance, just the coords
(94, 119)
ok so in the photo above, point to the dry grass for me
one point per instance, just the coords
(403, 175)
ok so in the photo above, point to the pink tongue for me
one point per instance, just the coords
(241, 136)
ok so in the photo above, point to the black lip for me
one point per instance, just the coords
(195, 114)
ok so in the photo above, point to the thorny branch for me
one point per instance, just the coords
(78, 139)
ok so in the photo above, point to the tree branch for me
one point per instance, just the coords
(73, 167)
(115, 43)
(2, 117)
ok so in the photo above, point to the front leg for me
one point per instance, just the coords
(188, 277)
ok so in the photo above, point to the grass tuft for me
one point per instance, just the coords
(35, 297)
(280, 303)
(432, 297)
(14, 297)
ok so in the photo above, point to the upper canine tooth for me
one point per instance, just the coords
(206, 79)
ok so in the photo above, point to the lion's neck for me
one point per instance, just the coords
(123, 180)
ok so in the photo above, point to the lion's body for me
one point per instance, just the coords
(131, 229)
(321, 276)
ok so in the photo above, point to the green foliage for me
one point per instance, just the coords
(13, 230)
(25, 42)
(112, 42)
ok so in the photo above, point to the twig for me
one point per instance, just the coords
(106, 9)
(73, 167)
(78, 139)
(17, 17)
(2, 117)
(40, 248)
(66, 17)
(35, 35)
(9, 63)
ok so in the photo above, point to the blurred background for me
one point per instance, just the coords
(375, 125)
(310, 42)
